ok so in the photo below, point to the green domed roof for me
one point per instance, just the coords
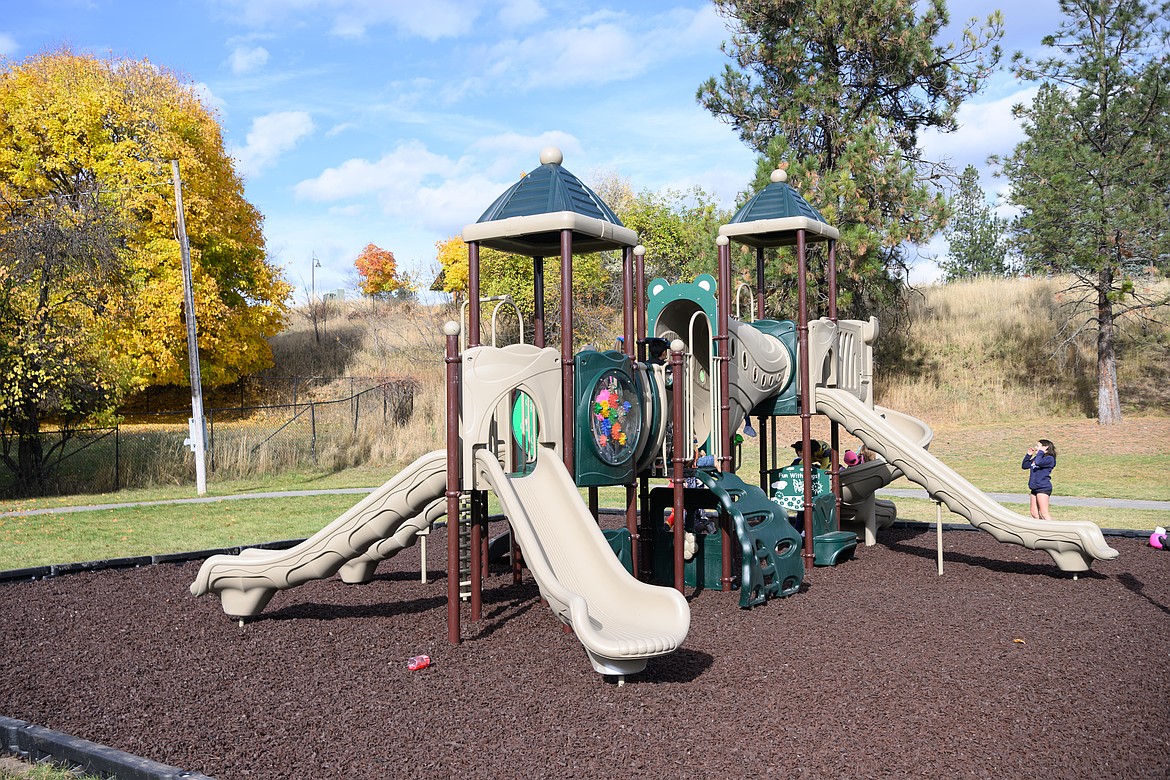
(773, 216)
(530, 215)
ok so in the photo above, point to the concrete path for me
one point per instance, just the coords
(1023, 498)
(60, 510)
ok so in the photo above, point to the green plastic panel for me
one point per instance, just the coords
(787, 401)
(770, 563)
(608, 418)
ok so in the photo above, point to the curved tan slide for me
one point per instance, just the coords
(377, 527)
(1073, 545)
(619, 620)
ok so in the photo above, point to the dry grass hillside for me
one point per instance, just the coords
(978, 352)
(999, 349)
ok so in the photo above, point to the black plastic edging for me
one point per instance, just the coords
(37, 743)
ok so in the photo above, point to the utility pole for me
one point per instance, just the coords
(198, 437)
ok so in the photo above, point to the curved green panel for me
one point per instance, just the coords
(608, 418)
(787, 400)
(660, 294)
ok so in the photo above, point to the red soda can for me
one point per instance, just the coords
(418, 662)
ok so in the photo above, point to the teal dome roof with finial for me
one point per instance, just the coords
(529, 216)
(773, 216)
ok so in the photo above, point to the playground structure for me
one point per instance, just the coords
(533, 423)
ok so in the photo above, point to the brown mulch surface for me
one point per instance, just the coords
(1004, 667)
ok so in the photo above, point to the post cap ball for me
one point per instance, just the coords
(551, 154)
(451, 328)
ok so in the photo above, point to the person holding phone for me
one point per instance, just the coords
(1040, 460)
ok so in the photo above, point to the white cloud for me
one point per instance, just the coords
(339, 128)
(244, 59)
(594, 50)
(271, 136)
(505, 156)
(431, 20)
(414, 185)
(520, 13)
(984, 129)
(8, 45)
(399, 171)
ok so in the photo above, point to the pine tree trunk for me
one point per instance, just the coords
(1108, 398)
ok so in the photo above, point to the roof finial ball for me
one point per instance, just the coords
(551, 155)
(779, 176)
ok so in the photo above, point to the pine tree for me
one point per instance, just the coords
(1092, 177)
(977, 237)
(839, 92)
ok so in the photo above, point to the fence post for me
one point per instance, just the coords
(117, 460)
(313, 431)
(211, 438)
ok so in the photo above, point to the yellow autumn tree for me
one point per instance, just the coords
(91, 292)
(72, 123)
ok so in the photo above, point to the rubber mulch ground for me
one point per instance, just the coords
(1001, 668)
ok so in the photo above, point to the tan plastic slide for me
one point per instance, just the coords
(619, 620)
(386, 521)
(1073, 544)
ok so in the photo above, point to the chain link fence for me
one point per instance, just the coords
(241, 441)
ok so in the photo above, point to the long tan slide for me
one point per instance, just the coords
(1073, 544)
(619, 620)
(377, 527)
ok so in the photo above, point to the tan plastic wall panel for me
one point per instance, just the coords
(490, 374)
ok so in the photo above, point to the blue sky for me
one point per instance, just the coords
(398, 122)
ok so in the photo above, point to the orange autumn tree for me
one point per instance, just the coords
(379, 275)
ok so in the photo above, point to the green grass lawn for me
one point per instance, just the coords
(37, 540)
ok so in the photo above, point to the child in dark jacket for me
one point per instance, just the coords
(1040, 460)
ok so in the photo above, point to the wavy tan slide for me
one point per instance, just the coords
(377, 527)
(619, 620)
(1073, 545)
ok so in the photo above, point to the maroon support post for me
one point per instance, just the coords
(676, 466)
(640, 342)
(723, 342)
(538, 301)
(760, 297)
(567, 346)
(451, 330)
(834, 429)
(723, 359)
(628, 348)
(473, 294)
(805, 395)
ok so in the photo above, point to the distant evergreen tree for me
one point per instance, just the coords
(977, 236)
